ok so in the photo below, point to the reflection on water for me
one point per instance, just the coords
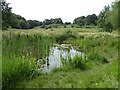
(55, 54)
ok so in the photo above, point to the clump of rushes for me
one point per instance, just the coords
(78, 61)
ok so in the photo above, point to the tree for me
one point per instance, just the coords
(53, 21)
(59, 21)
(34, 23)
(67, 23)
(103, 17)
(113, 14)
(14, 23)
(108, 17)
(46, 22)
(91, 20)
(23, 24)
(20, 17)
(6, 15)
(103, 21)
(80, 21)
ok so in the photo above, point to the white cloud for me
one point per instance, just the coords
(65, 9)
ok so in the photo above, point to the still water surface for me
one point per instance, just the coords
(55, 54)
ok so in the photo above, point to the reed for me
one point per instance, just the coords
(20, 55)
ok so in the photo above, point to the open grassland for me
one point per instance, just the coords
(100, 48)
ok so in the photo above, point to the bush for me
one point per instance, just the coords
(65, 26)
(43, 26)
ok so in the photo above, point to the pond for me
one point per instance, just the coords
(56, 53)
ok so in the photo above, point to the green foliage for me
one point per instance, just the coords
(97, 46)
(108, 27)
(67, 23)
(52, 21)
(108, 17)
(80, 21)
(88, 20)
(102, 18)
(20, 56)
(103, 21)
(34, 23)
(27, 46)
(95, 56)
(79, 62)
(91, 20)
(113, 14)
(10, 19)
(23, 24)
(56, 21)
(17, 69)
(6, 15)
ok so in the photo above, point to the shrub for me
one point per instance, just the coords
(43, 26)
(65, 26)
(72, 26)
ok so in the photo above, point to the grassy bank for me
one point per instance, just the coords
(102, 76)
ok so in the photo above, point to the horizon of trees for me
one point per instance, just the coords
(107, 19)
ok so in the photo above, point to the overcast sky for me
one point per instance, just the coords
(65, 9)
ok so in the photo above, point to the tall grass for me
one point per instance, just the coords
(16, 70)
(27, 46)
(20, 55)
(97, 47)
(96, 56)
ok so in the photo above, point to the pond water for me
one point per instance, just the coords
(55, 54)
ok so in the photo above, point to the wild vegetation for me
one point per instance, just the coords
(100, 50)
(20, 55)
(27, 43)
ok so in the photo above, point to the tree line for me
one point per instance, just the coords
(89, 20)
(107, 19)
(12, 20)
